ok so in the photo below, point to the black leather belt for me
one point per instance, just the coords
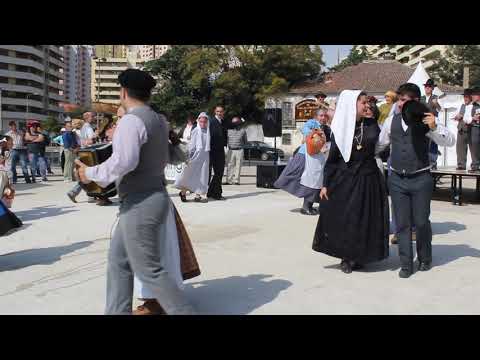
(410, 175)
(235, 148)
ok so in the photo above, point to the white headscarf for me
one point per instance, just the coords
(198, 129)
(344, 120)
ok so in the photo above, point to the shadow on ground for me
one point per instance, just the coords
(43, 256)
(234, 295)
(442, 255)
(447, 227)
(41, 212)
(243, 195)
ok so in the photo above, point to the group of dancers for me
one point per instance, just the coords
(346, 177)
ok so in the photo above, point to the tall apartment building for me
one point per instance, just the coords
(409, 55)
(111, 51)
(104, 81)
(31, 83)
(78, 60)
(151, 52)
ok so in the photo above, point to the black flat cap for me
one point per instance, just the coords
(136, 80)
(467, 92)
(430, 83)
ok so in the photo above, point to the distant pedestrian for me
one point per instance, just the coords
(237, 139)
(70, 147)
(186, 131)
(19, 152)
(36, 150)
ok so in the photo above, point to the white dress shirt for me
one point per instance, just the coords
(128, 139)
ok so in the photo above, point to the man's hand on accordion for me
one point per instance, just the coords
(81, 167)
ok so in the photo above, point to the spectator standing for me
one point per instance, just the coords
(70, 147)
(19, 153)
(36, 149)
(237, 138)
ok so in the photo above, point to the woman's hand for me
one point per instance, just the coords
(323, 193)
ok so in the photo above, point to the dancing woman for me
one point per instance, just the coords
(353, 222)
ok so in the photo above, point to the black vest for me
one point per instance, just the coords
(409, 153)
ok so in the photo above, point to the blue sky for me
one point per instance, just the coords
(330, 53)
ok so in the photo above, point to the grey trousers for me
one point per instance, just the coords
(411, 199)
(69, 165)
(475, 147)
(135, 249)
(234, 165)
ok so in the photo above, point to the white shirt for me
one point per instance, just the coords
(86, 133)
(128, 139)
(187, 133)
(467, 116)
(441, 135)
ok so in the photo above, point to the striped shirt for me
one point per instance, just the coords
(17, 139)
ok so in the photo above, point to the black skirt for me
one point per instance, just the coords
(354, 222)
(8, 220)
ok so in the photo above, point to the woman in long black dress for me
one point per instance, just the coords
(353, 222)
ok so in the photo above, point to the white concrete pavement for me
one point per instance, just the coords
(255, 255)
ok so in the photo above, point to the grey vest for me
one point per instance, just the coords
(408, 155)
(148, 176)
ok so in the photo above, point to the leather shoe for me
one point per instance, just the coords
(149, 307)
(423, 266)
(404, 273)
(307, 211)
(346, 267)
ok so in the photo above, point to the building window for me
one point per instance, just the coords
(287, 115)
(286, 139)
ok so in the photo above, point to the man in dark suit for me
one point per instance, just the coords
(218, 141)
(432, 102)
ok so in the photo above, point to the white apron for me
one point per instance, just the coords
(169, 256)
(312, 176)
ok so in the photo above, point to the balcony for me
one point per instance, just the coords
(56, 49)
(22, 115)
(22, 89)
(24, 62)
(56, 96)
(23, 48)
(22, 102)
(56, 62)
(56, 73)
(21, 75)
(55, 108)
(55, 84)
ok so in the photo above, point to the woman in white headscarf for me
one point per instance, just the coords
(353, 223)
(194, 177)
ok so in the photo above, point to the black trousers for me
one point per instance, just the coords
(475, 147)
(411, 197)
(217, 164)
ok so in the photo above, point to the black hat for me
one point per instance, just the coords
(320, 95)
(475, 90)
(430, 83)
(136, 80)
(413, 113)
(467, 92)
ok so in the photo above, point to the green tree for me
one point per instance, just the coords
(51, 125)
(358, 54)
(240, 77)
(449, 67)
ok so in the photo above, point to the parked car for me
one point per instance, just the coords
(257, 150)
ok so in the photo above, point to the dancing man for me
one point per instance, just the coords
(411, 183)
(140, 153)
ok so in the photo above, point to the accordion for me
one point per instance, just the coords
(92, 156)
